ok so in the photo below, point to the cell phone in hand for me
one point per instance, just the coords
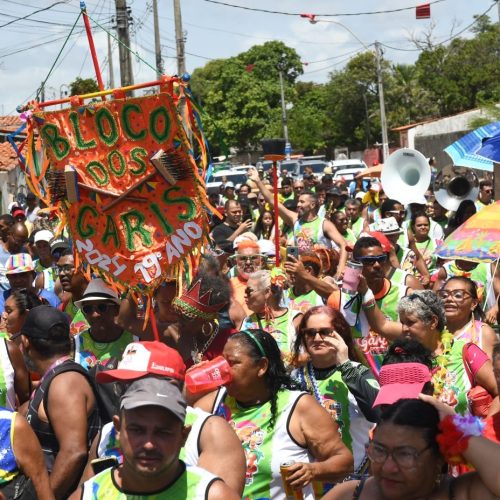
(292, 252)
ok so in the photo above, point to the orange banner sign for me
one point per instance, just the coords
(129, 186)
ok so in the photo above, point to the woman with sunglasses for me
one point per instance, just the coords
(408, 452)
(458, 366)
(263, 296)
(464, 315)
(334, 376)
(275, 421)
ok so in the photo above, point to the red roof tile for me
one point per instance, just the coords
(10, 123)
(8, 157)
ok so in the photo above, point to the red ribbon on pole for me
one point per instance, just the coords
(276, 213)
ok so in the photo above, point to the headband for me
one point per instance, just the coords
(256, 340)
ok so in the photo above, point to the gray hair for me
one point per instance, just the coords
(352, 202)
(424, 305)
(263, 277)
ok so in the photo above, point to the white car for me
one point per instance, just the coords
(237, 177)
(347, 174)
(346, 164)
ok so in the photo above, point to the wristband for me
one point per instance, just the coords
(454, 437)
(368, 297)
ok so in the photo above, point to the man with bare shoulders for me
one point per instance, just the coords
(62, 411)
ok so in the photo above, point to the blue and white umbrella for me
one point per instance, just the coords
(467, 151)
(491, 148)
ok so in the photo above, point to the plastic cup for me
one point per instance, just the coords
(352, 273)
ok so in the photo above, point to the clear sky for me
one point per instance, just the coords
(29, 47)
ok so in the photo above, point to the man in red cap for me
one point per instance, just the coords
(211, 443)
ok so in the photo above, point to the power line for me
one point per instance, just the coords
(319, 15)
(33, 13)
(456, 35)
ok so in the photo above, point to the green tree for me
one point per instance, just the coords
(241, 95)
(81, 86)
(308, 120)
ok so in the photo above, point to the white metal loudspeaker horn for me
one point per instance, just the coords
(406, 176)
(454, 185)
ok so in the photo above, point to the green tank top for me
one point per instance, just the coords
(265, 447)
(193, 483)
(456, 384)
(281, 328)
(357, 227)
(304, 302)
(307, 234)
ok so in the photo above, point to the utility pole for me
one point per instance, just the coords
(122, 25)
(383, 122)
(159, 64)
(110, 63)
(179, 38)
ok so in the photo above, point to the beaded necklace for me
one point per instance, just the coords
(442, 361)
(307, 378)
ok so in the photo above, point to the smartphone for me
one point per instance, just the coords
(292, 252)
(100, 464)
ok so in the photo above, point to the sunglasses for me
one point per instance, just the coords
(249, 291)
(247, 258)
(489, 191)
(397, 212)
(371, 259)
(311, 333)
(100, 308)
(459, 295)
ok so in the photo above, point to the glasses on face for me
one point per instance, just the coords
(100, 308)
(310, 333)
(404, 456)
(241, 259)
(488, 191)
(458, 295)
(67, 269)
(371, 259)
(402, 213)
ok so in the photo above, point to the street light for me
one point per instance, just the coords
(378, 53)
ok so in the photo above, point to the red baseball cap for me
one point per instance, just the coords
(145, 358)
(382, 239)
(401, 381)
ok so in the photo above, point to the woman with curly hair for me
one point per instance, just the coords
(458, 365)
(275, 422)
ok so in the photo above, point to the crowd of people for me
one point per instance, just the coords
(361, 364)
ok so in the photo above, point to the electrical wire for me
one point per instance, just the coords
(456, 35)
(388, 11)
(33, 13)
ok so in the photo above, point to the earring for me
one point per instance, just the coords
(211, 329)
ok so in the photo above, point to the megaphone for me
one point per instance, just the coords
(454, 185)
(406, 176)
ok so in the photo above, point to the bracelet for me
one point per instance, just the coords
(368, 298)
(454, 437)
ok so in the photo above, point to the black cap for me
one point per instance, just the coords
(41, 320)
(335, 191)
